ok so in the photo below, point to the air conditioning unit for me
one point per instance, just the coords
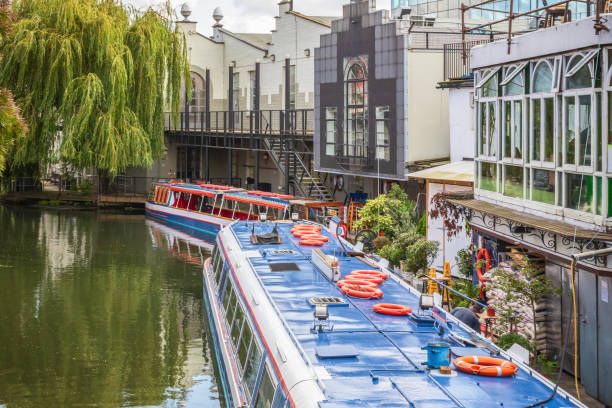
(417, 20)
(429, 21)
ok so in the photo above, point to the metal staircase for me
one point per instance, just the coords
(304, 182)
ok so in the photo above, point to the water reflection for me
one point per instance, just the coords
(96, 312)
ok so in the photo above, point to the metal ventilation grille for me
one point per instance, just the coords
(326, 301)
(282, 252)
(283, 267)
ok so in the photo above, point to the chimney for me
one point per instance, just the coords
(285, 6)
(217, 31)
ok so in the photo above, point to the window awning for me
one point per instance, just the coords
(585, 60)
(486, 78)
(193, 191)
(513, 74)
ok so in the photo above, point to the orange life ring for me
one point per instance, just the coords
(313, 228)
(362, 291)
(369, 278)
(371, 272)
(483, 252)
(360, 282)
(302, 233)
(311, 242)
(486, 366)
(315, 236)
(391, 309)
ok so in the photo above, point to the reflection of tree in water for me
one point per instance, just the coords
(111, 324)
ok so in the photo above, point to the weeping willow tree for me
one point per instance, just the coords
(93, 80)
(12, 127)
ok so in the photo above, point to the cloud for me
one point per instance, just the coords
(251, 15)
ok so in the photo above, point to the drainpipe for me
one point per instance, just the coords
(285, 142)
(575, 258)
(257, 132)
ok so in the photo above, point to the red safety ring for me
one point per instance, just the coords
(344, 282)
(300, 234)
(307, 226)
(315, 236)
(369, 278)
(362, 291)
(391, 309)
(371, 272)
(311, 242)
(484, 252)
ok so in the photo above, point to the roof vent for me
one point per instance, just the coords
(327, 300)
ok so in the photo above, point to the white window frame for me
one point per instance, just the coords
(539, 97)
(483, 151)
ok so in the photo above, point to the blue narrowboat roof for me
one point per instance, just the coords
(377, 358)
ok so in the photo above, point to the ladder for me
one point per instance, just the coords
(353, 214)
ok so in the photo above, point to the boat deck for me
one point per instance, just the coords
(387, 370)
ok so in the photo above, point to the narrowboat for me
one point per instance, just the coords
(302, 319)
(206, 208)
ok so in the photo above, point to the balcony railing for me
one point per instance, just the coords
(455, 65)
(299, 121)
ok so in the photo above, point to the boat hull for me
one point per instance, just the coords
(198, 224)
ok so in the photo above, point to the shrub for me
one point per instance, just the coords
(507, 340)
(422, 226)
(381, 242)
(464, 263)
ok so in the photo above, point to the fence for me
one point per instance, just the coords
(300, 121)
(455, 66)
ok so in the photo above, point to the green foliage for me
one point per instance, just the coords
(12, 127)
(467, 288)
(381, 242)
(507, 340)
(92, 77)
(422, 226)
(546, 366)
(526, 287)
(392, 213)
(50, 203)
(464, 259)
(416, 252)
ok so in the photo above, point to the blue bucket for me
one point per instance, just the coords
(438, 354)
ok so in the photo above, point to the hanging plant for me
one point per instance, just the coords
(452, 215)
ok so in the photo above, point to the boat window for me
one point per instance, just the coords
(245, 342)
(237, 325)
(226, 296)
(266, 391)
(215, 255)
(218, 269)
(231, 309)
(220, 273)
(252, 367)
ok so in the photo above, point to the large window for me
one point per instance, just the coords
(236, 91)
(330, 131)
(266, 391)
(513, 181)
(356, 97)
(550, 118)
(382, 133)
(253, 88)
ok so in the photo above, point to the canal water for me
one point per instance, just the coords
(101, 309)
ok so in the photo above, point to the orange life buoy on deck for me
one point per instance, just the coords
(486, 366)
(318, 237)
(369, 278)
(371, 272)
(311, 242)
(391, 309)
(483, 252)
(354, 282)
(362, 291)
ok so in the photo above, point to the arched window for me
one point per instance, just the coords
(198, 94)
(578, 72)
(542, 78)
(356, 97)
(198, 99)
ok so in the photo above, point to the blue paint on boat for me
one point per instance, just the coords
(368, 359)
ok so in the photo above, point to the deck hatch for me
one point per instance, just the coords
(343, 351)
(283, 267)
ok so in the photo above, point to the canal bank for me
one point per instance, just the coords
(101, 309)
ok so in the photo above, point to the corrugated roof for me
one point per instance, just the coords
(457, 171)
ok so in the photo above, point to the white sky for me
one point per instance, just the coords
(251, 15)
